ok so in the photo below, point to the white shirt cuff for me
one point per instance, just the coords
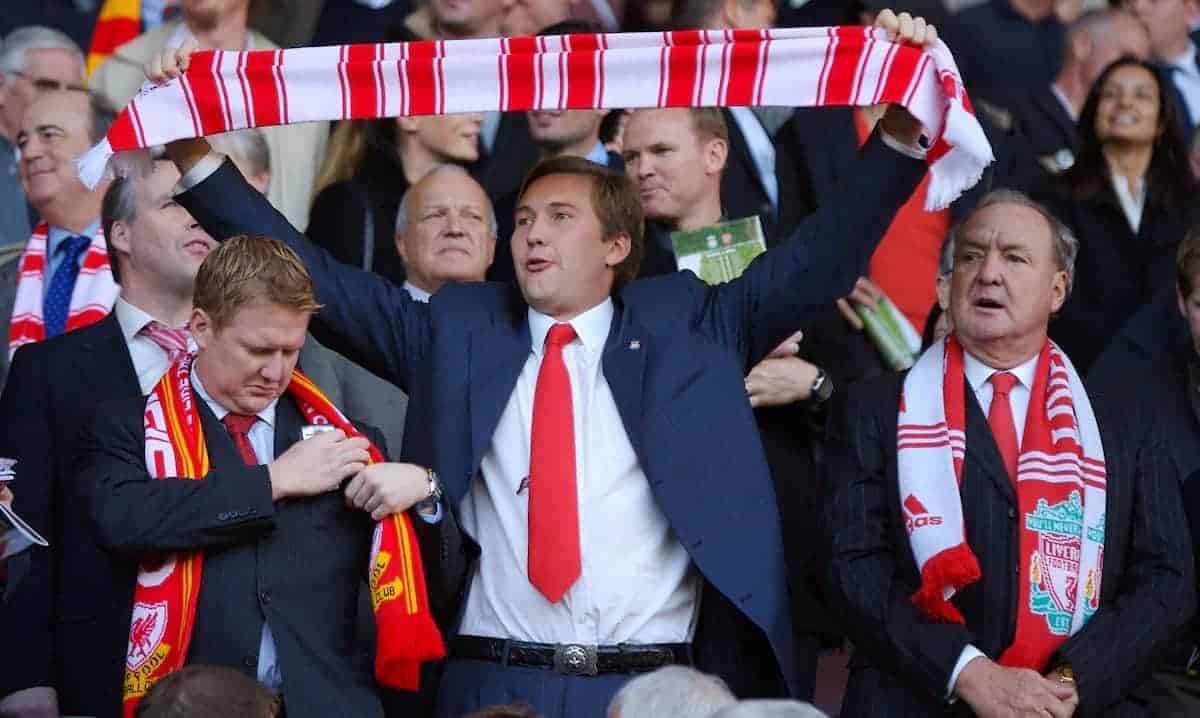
(969, 653)
(916, 152)
(433, 518)
(204, 169)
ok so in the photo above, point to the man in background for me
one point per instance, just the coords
(68, 615)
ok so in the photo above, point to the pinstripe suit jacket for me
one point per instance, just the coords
(904, 660)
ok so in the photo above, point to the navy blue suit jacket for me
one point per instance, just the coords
(676, 356)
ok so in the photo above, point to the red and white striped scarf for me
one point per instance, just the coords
(1060, 490)
(91, 299)
(802, 67)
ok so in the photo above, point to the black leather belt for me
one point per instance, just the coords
(572, 659)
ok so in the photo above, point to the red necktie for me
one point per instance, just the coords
(1000, 419)
(554, 562)
(238, 426)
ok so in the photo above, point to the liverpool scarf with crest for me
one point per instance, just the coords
(164, 608)
(1060, 495)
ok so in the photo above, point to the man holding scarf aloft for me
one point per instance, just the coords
(1002, 541)
(250, 554)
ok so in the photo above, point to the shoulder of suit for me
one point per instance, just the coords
(52, 350)
(485, 298)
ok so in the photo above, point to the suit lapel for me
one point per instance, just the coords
(982, 452)
(624, 365)
(1049, 104)
(496, 356)
(288, 421)
(108, 356)
(739, 146)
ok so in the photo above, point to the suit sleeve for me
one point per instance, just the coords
(863, 577)
(372, 321)
(1118, 648)
(819, 262)
(27, 436)
(134, 514)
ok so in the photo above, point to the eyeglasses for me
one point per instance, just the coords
(47, 84)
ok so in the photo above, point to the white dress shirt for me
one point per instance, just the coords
(1132, 199)
(149, 359)
(262, 438)
(637, 583)
(978, 376)
(1062, 100)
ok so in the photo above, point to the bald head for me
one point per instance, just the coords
(445, 229)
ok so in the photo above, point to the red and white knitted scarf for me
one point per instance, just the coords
(91, 299)
(1060, 495)
(802, 67)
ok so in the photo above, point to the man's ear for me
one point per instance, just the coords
(716, 153)
(408, 124)
(619, 247)
(202, 327)
(1060, 291)
(400, 248)
(1081, 46)
(120, 238)
(943, 291)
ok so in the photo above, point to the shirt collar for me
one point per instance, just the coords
(1187, 62)
(979, 373)
(591, 327)
(1062, 100)
(267, 415)
(130, 318)
(416, 293)
(599, 155)
(57, 235)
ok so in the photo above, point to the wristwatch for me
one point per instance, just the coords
(429, 503)
(822, 388)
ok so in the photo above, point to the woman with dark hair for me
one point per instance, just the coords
(1128, 199)
(369, 166)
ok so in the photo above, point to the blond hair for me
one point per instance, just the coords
(252, 269)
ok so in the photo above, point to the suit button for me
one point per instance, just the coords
(1012, 513)
(250, 661)
(265, 597)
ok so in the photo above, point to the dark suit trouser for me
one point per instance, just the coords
(470, 685)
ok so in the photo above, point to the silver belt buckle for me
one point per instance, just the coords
(576, 659)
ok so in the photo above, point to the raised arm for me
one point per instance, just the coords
(824, 256)
(369, 318)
